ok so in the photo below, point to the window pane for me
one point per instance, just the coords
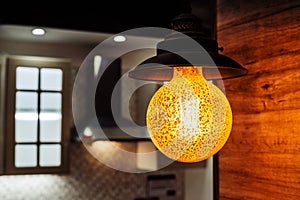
(26, 101)
(50, 127)
(51, 79)
(26, 126)
(25, 155)
(50, 155)
(50, 101)
(27, 78)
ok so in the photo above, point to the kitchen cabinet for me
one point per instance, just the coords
(35, 126)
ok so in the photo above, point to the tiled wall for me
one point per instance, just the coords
(88, 179)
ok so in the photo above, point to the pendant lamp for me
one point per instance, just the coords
(189, 118)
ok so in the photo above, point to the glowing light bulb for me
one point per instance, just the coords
(189, 119)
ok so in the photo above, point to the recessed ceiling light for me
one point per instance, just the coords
(119, 38)
(38, 31)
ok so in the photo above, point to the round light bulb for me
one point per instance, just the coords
(189, 119)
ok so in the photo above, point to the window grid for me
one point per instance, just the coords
(38, 142)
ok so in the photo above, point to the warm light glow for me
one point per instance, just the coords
(189, 119)
(26, 116)
(38, 31)
(119, 38)
(97, 64)
(50, 116)
(88, 132)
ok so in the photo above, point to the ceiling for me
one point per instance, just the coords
(87, 21)
(106, 16)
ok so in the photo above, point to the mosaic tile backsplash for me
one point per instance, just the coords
(88, 179)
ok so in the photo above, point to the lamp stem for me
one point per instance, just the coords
(216, 176)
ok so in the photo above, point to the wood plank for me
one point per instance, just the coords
(254, 186)
(252, 180)
(264, 92)
(261, 157)
(266, 132)
(267, 38)
(249, 10)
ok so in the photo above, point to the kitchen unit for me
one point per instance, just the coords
(84, 176)
(260, 159)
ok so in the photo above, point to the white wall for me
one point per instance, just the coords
(199, 182)
(2, 94)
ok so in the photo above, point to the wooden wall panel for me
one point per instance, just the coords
(269, 37)
(241, 11)
(261, 159)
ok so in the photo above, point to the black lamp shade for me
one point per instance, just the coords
(187, 43)
(160, 67)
